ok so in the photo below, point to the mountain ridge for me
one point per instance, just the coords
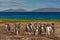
(14, 10)
(47, 10)
(36, 10)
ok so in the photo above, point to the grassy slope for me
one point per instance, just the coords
(27, 20)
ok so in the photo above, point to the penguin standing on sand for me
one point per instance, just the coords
(15, 29)
(7, 27)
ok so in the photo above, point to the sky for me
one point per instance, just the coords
(28, 4)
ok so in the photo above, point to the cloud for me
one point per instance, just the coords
(9, 4)
(28, 4)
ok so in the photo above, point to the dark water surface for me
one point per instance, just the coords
(29, 15)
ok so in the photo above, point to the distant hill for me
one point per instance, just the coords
(14, 10)
(47, 10)
(36, 10)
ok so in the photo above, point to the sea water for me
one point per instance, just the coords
(30, 15)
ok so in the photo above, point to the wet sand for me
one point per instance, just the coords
(25, 35)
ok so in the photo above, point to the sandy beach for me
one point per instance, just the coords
(25, 35)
